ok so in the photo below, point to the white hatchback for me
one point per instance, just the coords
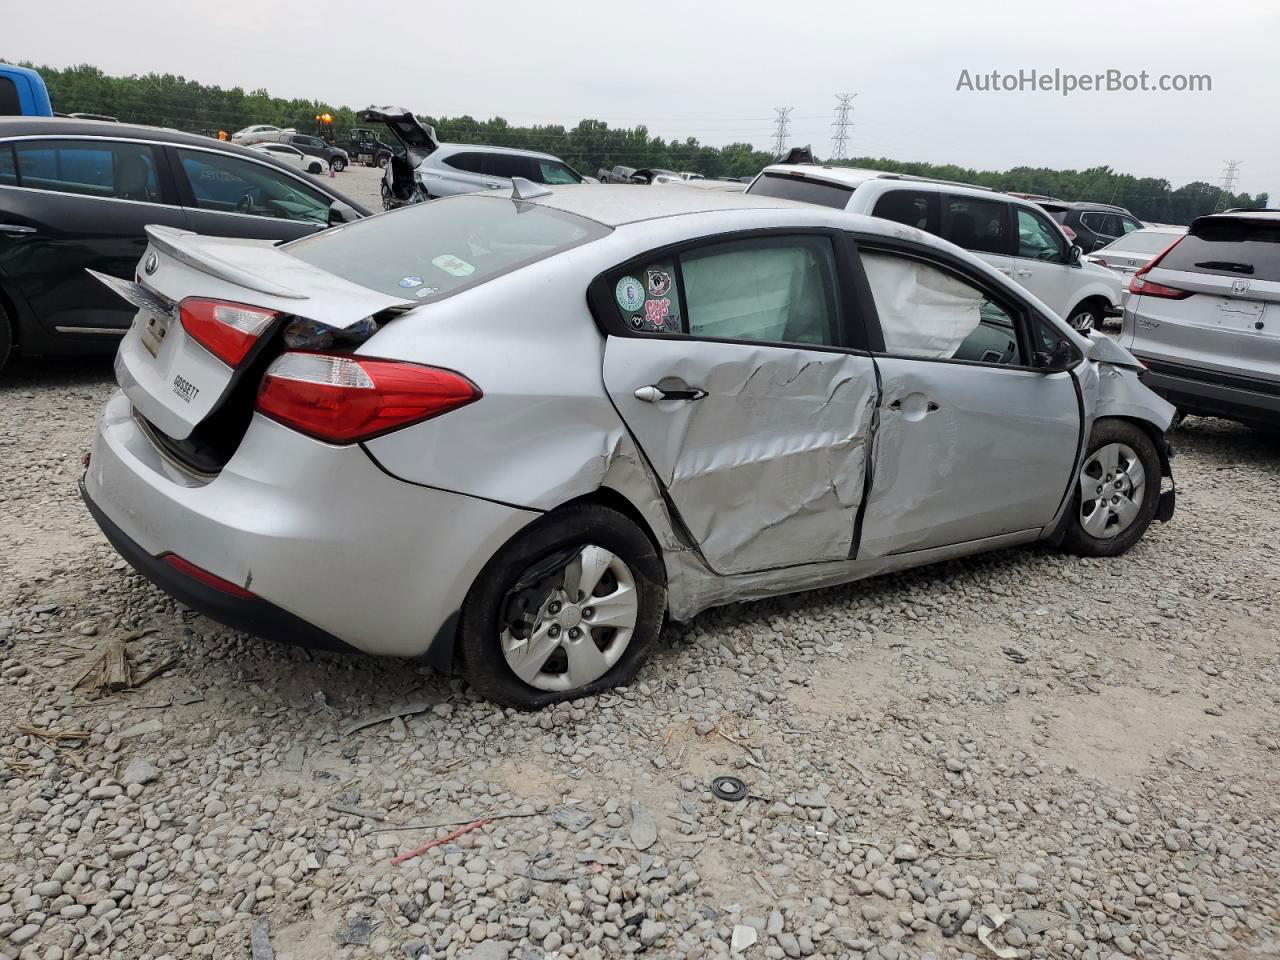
(1015, 236)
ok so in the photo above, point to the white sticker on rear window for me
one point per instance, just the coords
(629, 293)
(454, 265)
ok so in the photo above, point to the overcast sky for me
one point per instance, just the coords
(716, 70)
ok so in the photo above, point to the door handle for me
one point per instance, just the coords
(1006, 271)
(494, 186)
(929, 407)
(15, 228)
(653, 393)
(1022, 273)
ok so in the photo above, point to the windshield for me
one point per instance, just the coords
(1141, 241)
(787, 187)
(435, 249)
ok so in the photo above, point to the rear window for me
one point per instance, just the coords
(788, 187)
(1232, 248)
(431, 250)
(1141, 241)
(9, 105)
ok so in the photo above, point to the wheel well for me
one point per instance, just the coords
(608, 497)
(9, 312)
(1094, 300)
(1158, 440)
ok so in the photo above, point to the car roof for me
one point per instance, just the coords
(853, 176)
(617, 204)
(450, 148)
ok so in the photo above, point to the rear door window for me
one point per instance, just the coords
(94, 168)
(9, 105)
(915, 208)
(978, 224)
(470, 162)
(1249, 249)
(553, 171)
(806, 190)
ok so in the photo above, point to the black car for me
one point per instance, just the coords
(334, 157)
(1091, 225)
(78, 193)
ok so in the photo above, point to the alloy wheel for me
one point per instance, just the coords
(1082, 321)
(582, 626)
(1112, 486)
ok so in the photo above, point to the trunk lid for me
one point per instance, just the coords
(173, 381)
(418, 137)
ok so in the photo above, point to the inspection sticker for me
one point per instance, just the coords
(454, 265)
(409, 282)
(629, 293)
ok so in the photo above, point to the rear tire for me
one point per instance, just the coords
(1086, 316)
(1108, 514)
(382, 162)
(496, 613)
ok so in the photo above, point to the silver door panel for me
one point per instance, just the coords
(965, 452)
(768, 469)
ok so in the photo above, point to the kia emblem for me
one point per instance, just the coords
(1239, 286)
(152, 261)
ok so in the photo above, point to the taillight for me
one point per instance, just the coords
(227, 330)
(1141, 285)
(342, 399)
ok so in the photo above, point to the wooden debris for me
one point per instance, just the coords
(51, 734)
(113, 671)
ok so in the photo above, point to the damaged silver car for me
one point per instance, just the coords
(517, 432)
(426, 169)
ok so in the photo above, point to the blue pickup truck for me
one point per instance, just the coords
(23, 93)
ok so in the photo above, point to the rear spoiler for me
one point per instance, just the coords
(181, 245)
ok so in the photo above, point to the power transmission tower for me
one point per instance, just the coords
(840, 142)
(781, 124)
(1229, 177)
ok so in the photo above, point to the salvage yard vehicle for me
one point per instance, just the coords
(1015, 236)
(1136, 249)
(331, 156)
(1091, 225)
(429, 169)
(291, 156)
(364, 147)
(259, 133)
(76, 194)
(516, 431)
(1204, 316)
(23, 93)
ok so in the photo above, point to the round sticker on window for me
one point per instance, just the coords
(629, 293)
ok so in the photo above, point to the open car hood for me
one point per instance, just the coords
(408, 129)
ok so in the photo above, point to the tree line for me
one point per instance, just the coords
(173, 101)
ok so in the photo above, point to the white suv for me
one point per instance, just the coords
(1014, 236)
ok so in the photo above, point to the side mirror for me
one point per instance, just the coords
(340, 212)
(1074, 253)
(1054, 361)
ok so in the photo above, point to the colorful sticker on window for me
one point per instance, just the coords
(410, 282)
(659, 283)
(629, 293)
(454, 265)
(655, 312)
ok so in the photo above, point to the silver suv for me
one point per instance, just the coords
(426, 168)
(1204, 316)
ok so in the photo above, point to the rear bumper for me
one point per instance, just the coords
(1208, 393)
(339, 552)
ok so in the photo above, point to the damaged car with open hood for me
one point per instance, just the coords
(513, 433)
(425, 169)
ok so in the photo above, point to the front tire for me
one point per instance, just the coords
(382, 162)
(572, 605)
(1117, 491)
(338, 165)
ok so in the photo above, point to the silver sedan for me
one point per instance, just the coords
(514, 433)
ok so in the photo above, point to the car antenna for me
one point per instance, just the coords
(522, 189)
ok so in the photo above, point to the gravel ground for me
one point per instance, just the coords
(1084, 750)
(361, 184)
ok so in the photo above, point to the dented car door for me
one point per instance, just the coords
(729, 364)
